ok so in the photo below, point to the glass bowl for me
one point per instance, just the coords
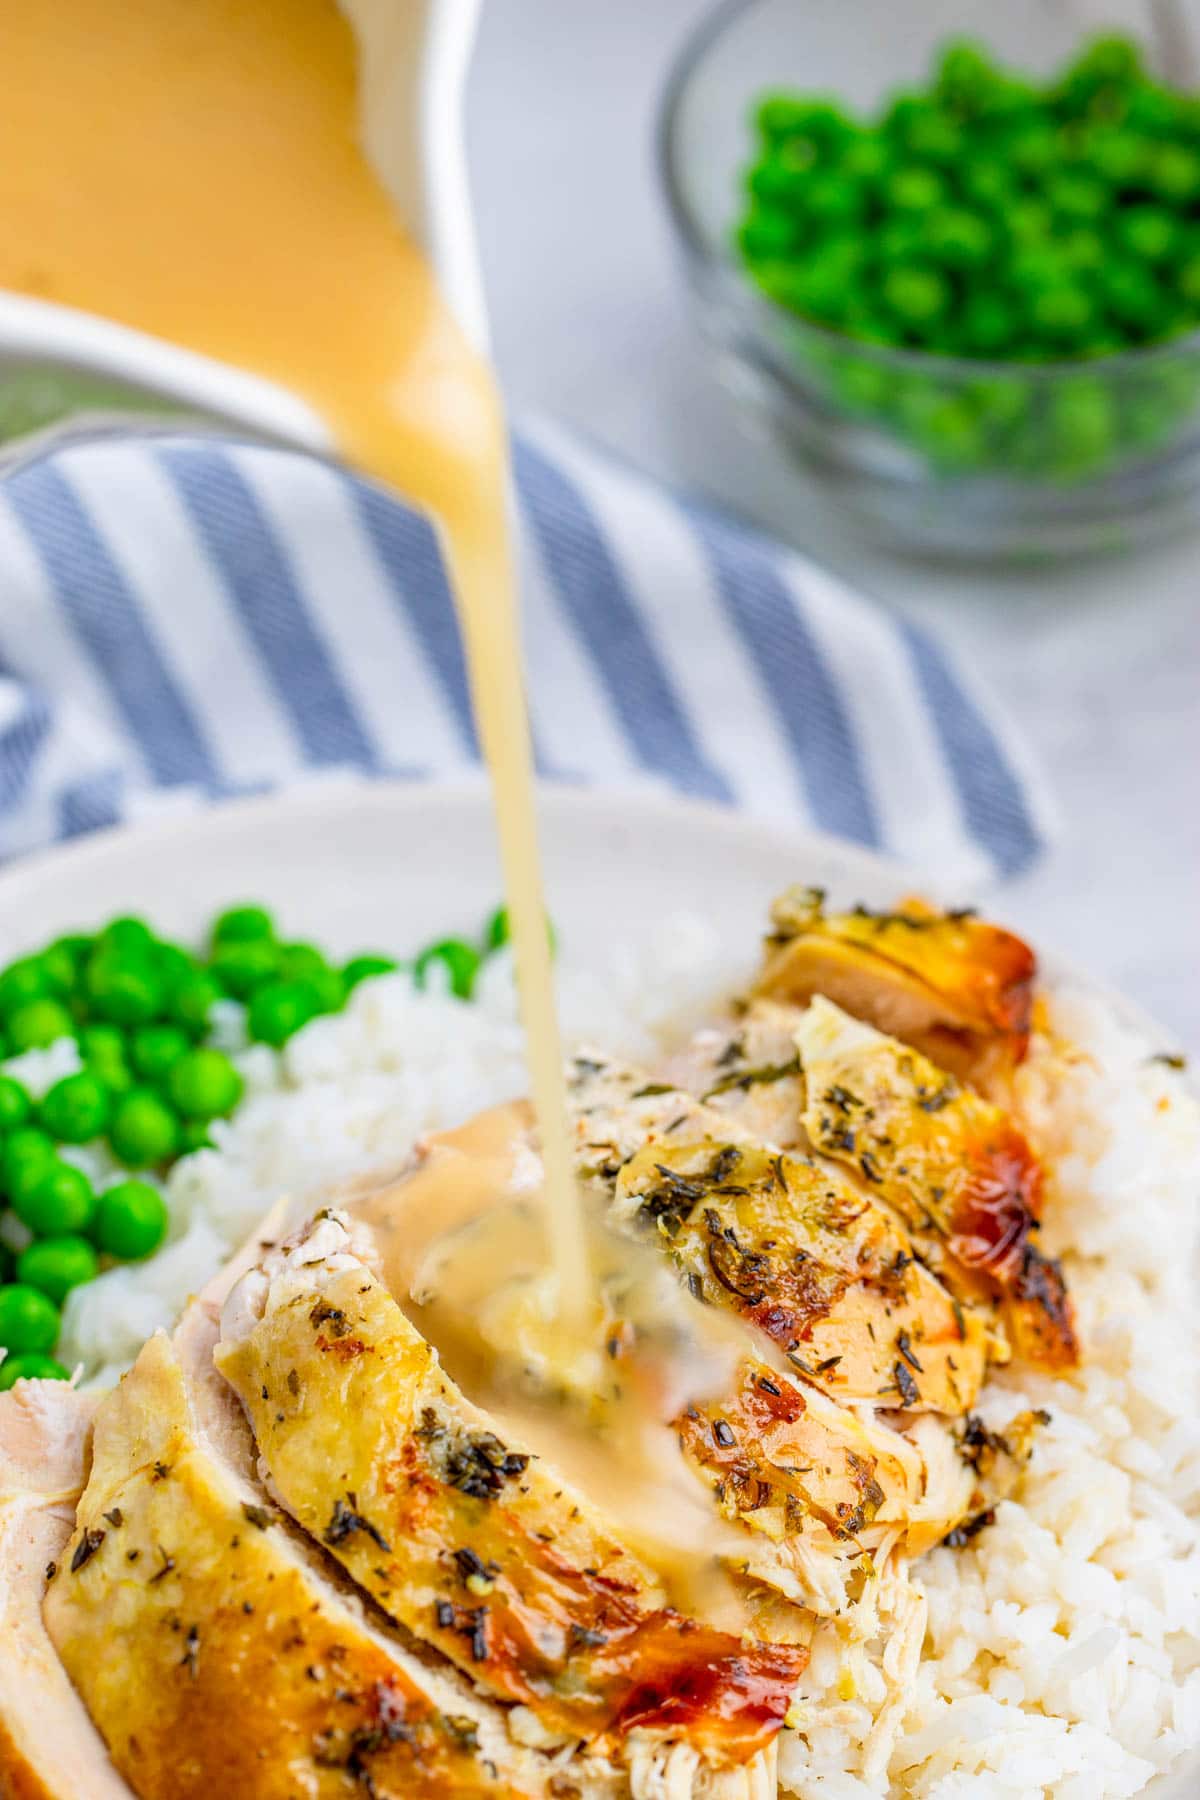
(934, 453)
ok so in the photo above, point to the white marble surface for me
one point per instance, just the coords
(1100, 663)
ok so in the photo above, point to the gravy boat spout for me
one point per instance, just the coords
(68, 375)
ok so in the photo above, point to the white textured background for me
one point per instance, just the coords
(1100, 662)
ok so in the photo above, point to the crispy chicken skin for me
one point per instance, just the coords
(949, 1162)
(954, 987)
(823, 1272)
(49, 1748)
(809, 1260)
(468, 1542)
(212, 1656)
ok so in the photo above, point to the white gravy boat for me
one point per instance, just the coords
(67, 375)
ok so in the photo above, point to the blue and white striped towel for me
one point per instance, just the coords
(185, 620)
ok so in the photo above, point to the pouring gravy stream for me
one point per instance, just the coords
(194, 171)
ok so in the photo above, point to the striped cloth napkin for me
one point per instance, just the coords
(183, 620)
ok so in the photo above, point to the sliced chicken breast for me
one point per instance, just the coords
(821, 1270)
(952, 1164)
(242, 1669)
(954, 987)
(49, 1748)
(470, 1543)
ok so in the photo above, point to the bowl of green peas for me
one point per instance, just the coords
(948, 255)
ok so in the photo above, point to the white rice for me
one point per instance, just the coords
(1059, 1654)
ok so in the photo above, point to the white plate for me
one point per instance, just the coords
(388, 866)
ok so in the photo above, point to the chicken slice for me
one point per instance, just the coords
(954, 987)
(747, 1068)
(822, 1271)
(949, 1162)
(471, 1544)
(241, 1669)
(49, 1748)
(788, 1243)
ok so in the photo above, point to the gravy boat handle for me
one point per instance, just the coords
(69, 376)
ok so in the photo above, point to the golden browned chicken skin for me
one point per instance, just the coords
(952, 1164)
(213, 1656)
(469, 1542)
(953, 986)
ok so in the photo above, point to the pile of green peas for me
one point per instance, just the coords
(139, 1008)
(985, 217)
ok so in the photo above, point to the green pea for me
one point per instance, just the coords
(778, 179)
(832, 201)
(917, 297)
(1119, 157)
(194, 1134)
(1083, 251)
(1174, 174)
(59, 1203)
(55, 1265)
(28, 1320)
(26, 1155)
(933, 137)
(913, 189)
(73, 947)
(193, 1001)
(243, 924)
(244, 964)
(173, 965)
(362, 968)
(154, 1048)
(987, 324)
(23, 981)
(1000, 401)
(965, 73)
(1028, 222)
(766, 233)
(297, 962)
(460, 961)
(75, 1109)
(1063, 315)
(1082, 422)
(130, 1221)
(1077, 198)
(1033, 151)
(143, 1131)
(15, 1104)
(1037, 269)
(956, 238)
(816, 289)
(781, 116)
(280, 1009)
(1152, 109)
(987, 185)
(38, 1024)
(1148, 233)
(203, 1084)
(866, 158)
(102, 1043)
(123, 989)
(30, 1367)
(1132, 296)
(863, 386)
(128, 937)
